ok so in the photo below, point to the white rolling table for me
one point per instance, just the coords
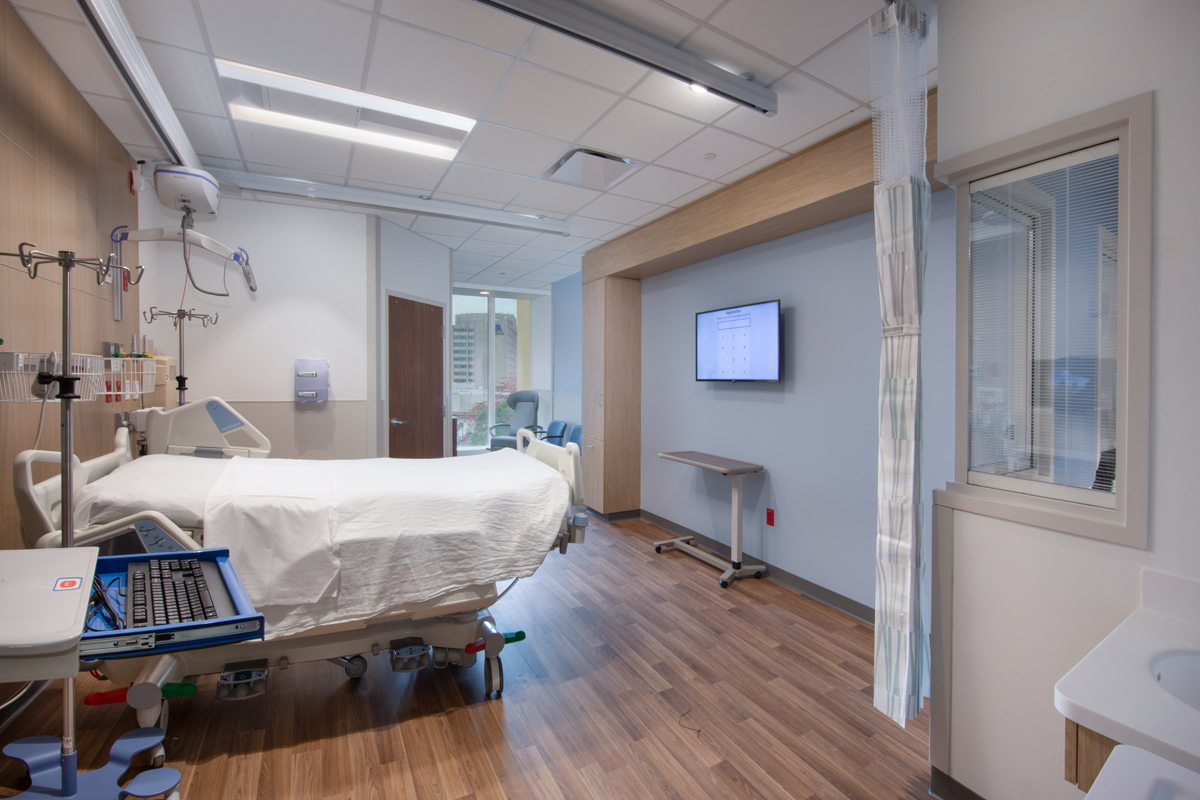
(734, 568)
(45, 596)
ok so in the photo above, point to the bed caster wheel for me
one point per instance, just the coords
(658, 548)
(493, 675)
(356, 667)
(724, 583)
(758, 574)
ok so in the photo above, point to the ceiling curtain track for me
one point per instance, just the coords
(899, 55)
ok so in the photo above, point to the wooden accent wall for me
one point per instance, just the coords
(829, 181)
(64, 185)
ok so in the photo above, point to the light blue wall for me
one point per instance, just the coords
(568, 348)
(816, 432)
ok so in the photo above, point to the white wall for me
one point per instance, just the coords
(816, 432)
(312, 273)
(1028, 603)
(415, 268)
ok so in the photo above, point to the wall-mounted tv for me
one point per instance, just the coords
(740, 343)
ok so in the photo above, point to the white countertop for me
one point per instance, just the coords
(1133, 774)
(1113, 691)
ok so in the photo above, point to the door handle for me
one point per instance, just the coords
(396, 423)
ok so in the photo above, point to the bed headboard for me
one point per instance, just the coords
(207, 428)
(40, 504)
(566, 460)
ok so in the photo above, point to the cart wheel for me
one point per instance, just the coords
(724, 584)
(493, 675)
(356, 667)
(658, 548)
(758, 574)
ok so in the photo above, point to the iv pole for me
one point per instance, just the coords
(177, 319)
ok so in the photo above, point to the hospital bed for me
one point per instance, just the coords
(424, 543)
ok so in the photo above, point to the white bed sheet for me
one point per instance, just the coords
(324, 542)
(176, 486)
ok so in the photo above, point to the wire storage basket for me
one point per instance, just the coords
(128, 378)
(19, 371)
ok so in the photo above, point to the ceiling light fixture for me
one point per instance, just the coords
(591, 27)
(291, 122)
(340, 95)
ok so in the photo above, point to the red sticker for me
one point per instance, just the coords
(67, 584)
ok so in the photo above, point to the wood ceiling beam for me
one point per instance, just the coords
(829, 181)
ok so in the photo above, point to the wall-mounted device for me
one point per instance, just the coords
(740, 343)
(312, 380)
(187, 189)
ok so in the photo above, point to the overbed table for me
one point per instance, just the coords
(734, 568)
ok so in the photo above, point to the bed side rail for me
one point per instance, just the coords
(566, 460)
(39, 504)
(208, 428)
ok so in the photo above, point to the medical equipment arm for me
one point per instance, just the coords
(192, 237)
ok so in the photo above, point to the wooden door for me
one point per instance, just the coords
(416, 344)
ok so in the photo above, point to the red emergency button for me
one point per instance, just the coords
(67, 584)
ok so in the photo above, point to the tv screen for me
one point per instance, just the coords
(741, 343)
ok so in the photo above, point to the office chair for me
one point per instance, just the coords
(556, 432)
(524, 405)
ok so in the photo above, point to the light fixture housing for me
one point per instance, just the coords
(591, 27)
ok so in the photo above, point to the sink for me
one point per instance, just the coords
(1179, 674)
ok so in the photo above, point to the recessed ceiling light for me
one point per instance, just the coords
(485, 292)
(698, 88)
(266, 97)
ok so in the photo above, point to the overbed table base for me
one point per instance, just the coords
(733, 569)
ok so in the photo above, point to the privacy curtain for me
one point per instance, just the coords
(898, 66)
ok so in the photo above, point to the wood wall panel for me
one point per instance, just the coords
(64, 184)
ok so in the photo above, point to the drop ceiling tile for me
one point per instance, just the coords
(733, 56)
(792, 30)
(846, 64)
(299, 174)
(462, 277)
(189, 79)
(125, 121)
(513, 208)
(397, 218)
(728, 152)
(541, 255)
(617, 209)
(445, 227)
(693, 196)
(449, 241)
(486, 184)
(619, 232)
(211, 137)
(169, 23)
(507, 150)
(557, 198)
(585, 62)
(501, 274)
(560, 268)
(473, 259)
(389, 166)
(653, 215)
(658, 21)
(497, 249)
(496, 233)
(636, 130)
(535, 99)
(672, 95)
(465, 200)
(573, 260)
(259, 34)
(390, 188)
(74, 49)
(697, 8)
(528, 282)
(67, 9)
(825, 131)
(514, 266)
(420, 67)
(556, 241)
(212, 162)
(804, 105)
(656, 184)
(463, 20)
(590, 228)
(754, 166)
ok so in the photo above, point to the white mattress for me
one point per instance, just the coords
(322, 542)
(176, 486)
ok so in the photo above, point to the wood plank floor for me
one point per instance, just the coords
(640, 678)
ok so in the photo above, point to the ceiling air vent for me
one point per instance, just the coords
(590, 169)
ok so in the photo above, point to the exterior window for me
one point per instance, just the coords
(1043, 346)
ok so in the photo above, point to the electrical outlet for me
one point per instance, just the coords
(771, 517)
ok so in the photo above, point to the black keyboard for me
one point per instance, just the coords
(167, 592)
